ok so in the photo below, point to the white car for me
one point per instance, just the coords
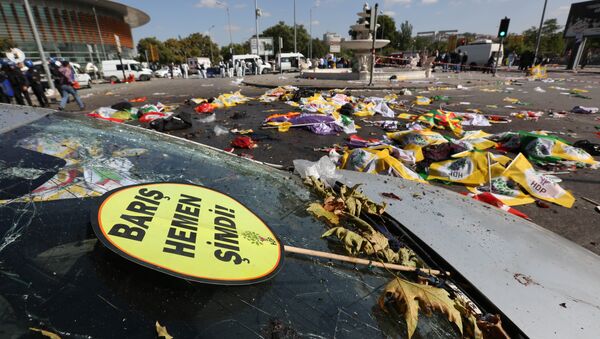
(164, 72)
(82, 78)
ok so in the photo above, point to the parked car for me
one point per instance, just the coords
(291, 62)
(82, 78)
(113, 70)
(58, 277)
(164, 72)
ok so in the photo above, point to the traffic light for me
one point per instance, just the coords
(503, 31)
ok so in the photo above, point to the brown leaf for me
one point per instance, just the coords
(470, 329)
(410, 298)
(335, 205)
(161, 331)
(321, 213)
(45, 333)
(353, 242)
(391, 195)
(491, 327)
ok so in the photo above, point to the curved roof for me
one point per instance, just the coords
(133, 16)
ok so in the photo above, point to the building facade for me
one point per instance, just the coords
(77, 30)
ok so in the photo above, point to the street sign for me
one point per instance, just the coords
(118, 43)
(266, 46)
(584, 19)
(334, 48)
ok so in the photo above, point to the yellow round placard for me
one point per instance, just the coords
(188, 231)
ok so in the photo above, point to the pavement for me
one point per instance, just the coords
(579, 224)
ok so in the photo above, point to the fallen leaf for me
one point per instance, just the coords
(410, 298)
(491, 327)
(319, 212)
(45, 333)
(391, 195)
(161, 331)
(335, 205)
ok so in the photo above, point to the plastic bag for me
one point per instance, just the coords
(220, 130)
(323, 169)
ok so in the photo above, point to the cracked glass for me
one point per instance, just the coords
(58, 277)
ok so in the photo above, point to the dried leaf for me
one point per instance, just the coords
(491, 326)
(335, 205)
(161, 331)
(319, 212)
(391, 195)
(45, 333)
(470, 329)
(353, 242)
(410, 297)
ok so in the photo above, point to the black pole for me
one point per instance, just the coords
(374, 34)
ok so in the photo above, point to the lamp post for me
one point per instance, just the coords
(229, 25)
(99, 33)
(40, 48)
(210, 42)
(295, 30)
(256, 15)
(310, 47)
(539, 35)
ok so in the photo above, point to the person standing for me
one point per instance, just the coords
(586, 58)
(18, 81)
(463, 61)
(222, 68)
(511, 59)
(6, 90)
(202, 71)
(230, 68)
(171, 71)
(185, 70)
(66, 86)
(35, 81)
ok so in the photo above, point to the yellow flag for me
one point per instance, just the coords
(538, 185)
(284, 126)
(469, 170)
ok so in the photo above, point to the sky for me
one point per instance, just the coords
(173, 18)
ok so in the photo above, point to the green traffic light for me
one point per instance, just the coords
(502, 34)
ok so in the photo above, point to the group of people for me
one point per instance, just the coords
(16, 79)
(331, 61)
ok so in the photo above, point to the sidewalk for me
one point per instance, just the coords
(438, 79)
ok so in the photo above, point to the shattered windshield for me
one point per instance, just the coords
(56, 276)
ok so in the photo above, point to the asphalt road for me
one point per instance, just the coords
(580, 224)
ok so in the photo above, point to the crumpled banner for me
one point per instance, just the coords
(491, 199)
(385, 160)
(422, 101)
(475, 140)
(443, 120)
(473, 119)
(538, 185)
(230, 100)
(503, 188)
(109, 114)
(281, 93)
(357, 142)
(415, 140)
(538, 72)
(243, 142)
(469, 169)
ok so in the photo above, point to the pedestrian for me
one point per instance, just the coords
(19, 83)
(202, 71)
(66, 86)
(222, 68)
(463, 61)
(489, 66)
(185, 70)
(512, 57)
(171, 66)
(6, 90)
(586, 58)
(446, 61)
(230, 68)
(34, 77)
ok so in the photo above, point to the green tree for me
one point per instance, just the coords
(552, 42)
(387, 30)
(200, 45)
(405, 36)
(320, 48)
(237, 49)
(6, 44)
(287, 33)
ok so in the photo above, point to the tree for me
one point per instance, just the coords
(6, 44)
(552, 42)
(237, 49)
(514, 43)
(405, 36)
(287, 33)
(387, 30)
(320, 48)
(200, 45)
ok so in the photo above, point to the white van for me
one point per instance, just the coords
(480, 51)
(113, 70)
(262, 67)
(291, 62)
(195, 62)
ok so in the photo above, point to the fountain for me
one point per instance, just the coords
(362, 44)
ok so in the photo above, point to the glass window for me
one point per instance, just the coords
(135, 67)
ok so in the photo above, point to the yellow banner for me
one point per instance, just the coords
(188, 231)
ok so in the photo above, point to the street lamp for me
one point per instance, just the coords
(210, 42)
(295, 30)
(228, 24)
(310, 48)
(257, 13)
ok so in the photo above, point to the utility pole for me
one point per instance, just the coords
(295, 30)
(229, 25)
(210, 43)
(256, 15)
(310, 33)
(539, 35)
(40, 48)
(374, 35)
(99, 34)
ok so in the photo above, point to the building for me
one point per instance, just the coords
(77, 30)
(332, 38)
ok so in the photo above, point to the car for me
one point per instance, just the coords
(164, 72)
(82, 78)
(58, 171)
(115, 70)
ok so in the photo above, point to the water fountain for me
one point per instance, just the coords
(361, 44)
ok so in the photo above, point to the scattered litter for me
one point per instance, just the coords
(243, 142)
(220, 130)
(585, 110)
